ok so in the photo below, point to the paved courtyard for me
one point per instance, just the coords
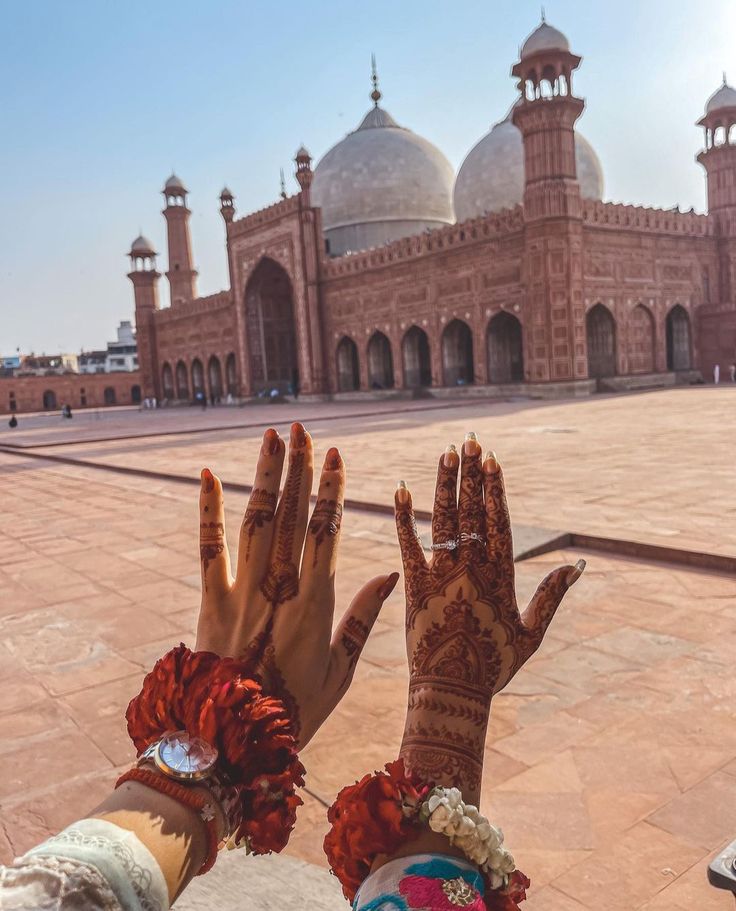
(611, 758)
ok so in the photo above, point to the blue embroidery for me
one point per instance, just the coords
(445, 869)
(382, 902)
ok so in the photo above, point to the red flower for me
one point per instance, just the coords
(214, 698)
(367, 820)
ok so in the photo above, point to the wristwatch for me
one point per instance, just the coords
(182, 757)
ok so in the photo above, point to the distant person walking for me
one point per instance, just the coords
(13, 422)
(717, 374)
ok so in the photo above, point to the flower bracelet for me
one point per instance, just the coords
(383, 811)
(257, 768)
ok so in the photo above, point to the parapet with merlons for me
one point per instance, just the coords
(641, 218)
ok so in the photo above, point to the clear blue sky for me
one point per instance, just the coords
(99, 100)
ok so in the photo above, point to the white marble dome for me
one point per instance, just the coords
(544, 38)
(492, 176)
(142, 246)
(724, 97)
(380, 183)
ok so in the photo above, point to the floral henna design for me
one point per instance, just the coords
(261, 510)
(211, 544)
(281, 582)
(260, 655)
(325, 522)
(465, 636)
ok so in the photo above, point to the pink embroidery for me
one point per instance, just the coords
(428, 893)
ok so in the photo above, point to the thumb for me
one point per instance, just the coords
(353, 630)
(547, 598)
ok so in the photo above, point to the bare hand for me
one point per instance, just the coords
(465, 636)
(277, 612)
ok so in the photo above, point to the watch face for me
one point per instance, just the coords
(185, 757)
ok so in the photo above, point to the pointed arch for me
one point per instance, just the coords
(380, 362)
(270, 328)
(109, 395)
(457, 354)
(182, 381)
(416, 358)
(348, 367)
(49, 400)
(641, 340)
(600, 330)
(231, 375)
(214, 376)
(197, 378)
(505, 349)
(167, 381)
(679, 341)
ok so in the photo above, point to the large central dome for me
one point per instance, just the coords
(380, 183)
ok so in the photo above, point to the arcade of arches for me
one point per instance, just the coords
(191, 383)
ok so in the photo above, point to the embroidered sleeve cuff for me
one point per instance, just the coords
(422, 882)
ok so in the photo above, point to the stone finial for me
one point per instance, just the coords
(375, 94)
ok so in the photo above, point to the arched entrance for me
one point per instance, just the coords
(198, 389)
(678, 339)
(135, 394)
(182, 381)
(269, 320)
(214, 372)
(348, 370)
(49, 400)
(109, 395)
(505, 350)
(417, 363)
(380, 362)
(600, 329)
(457, 354)
(167, 381)
(641, 340)
(231, 376)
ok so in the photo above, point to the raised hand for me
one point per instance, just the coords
(277, 611)
(465, 636)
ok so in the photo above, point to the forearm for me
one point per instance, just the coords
(174, 833)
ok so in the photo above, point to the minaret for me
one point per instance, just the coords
(227, 205)
(304, 173)
(145, 278)
(182, 277)
(545, 113)
(719, 160)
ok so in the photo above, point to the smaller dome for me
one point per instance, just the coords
(724, 97)
(142, 246)
(544, 38)
(174, 185)
(226, 194)
(303, 154)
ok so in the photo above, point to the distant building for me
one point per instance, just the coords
(123, 353)
(93, 361)
(47, 364)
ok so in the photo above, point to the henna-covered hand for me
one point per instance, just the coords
(465, 636)
(277, 612)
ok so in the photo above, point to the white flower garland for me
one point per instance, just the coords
(445, 811)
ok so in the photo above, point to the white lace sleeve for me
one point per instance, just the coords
(94, 865)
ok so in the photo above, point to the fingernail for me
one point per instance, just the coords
(270, 442)
(298, 435)
(402, 494)
(208, 480)
(491, 461)
(448, 460)
(576, 572)
(388, 586)
(471, 446)
(332, 459)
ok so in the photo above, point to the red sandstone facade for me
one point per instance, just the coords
(558, 290)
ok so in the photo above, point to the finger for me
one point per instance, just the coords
(256, 530)
(444, 513)
(281, 582)
(323, 532)
(213, 552)
(412, 552)
(498, 523)
(471, 510)
(547, 598)
(353, 631)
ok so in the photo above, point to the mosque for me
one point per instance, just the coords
(389, 271)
